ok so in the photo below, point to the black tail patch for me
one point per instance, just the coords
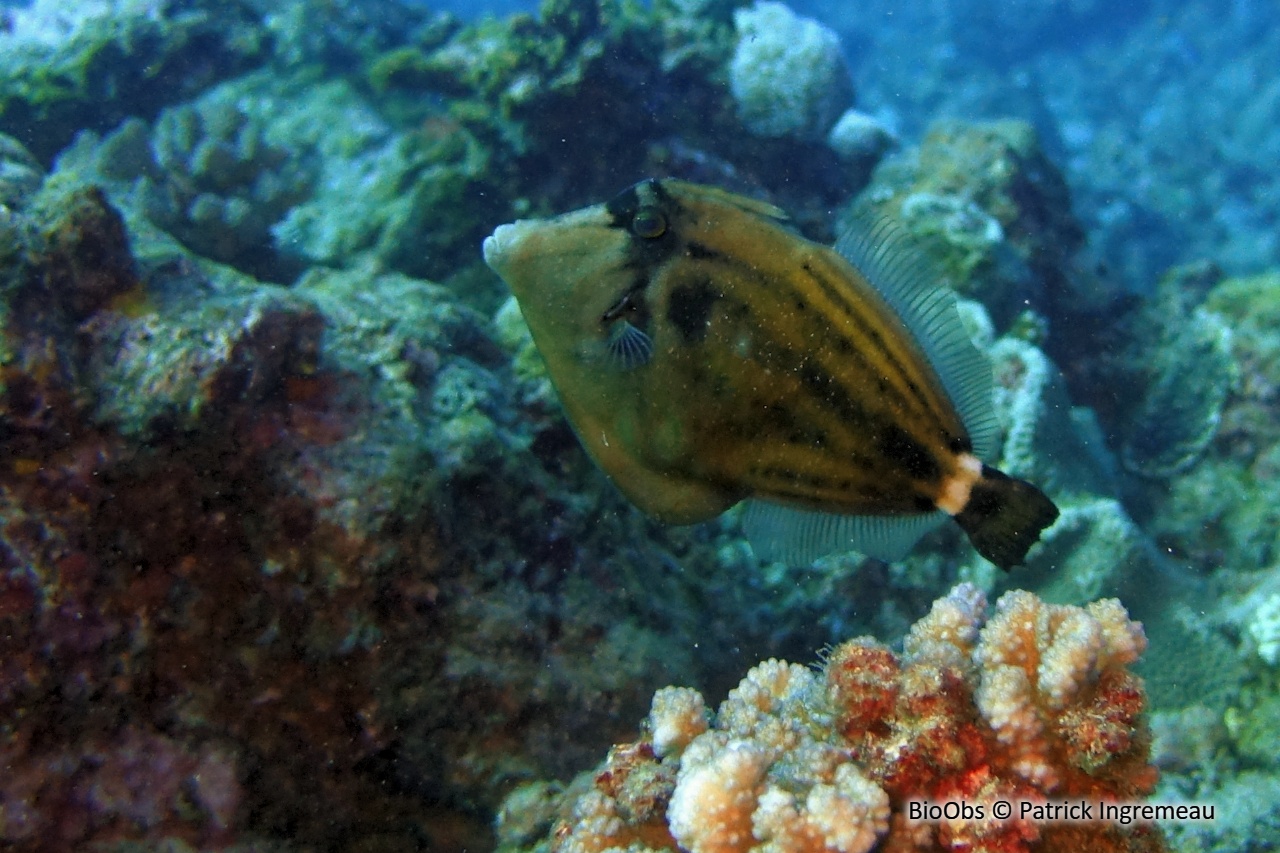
(1004, 517)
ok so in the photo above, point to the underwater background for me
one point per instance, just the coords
(298, 552)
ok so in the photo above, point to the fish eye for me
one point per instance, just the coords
(648, 223)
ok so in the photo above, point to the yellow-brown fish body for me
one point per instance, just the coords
(706, 354)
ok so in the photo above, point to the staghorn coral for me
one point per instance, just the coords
(1035, 701)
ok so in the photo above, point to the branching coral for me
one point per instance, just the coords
(1034, 702)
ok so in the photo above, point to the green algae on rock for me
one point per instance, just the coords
(117, 59)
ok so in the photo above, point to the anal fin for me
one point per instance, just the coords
(800, 536)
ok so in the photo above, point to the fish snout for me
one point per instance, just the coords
(499, 243)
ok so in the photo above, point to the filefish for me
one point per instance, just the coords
(706, 354)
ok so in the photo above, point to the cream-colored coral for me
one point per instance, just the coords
(736, 801)
(1006, 699)
(847, 815)
(1264, 629)
(597, 826)
(761, 706)
(714, 801)
(677, 716)
(1035, 659)
(769, 778)
(946, 636)
(1072, 653)
(788, 765)
(1123, 639)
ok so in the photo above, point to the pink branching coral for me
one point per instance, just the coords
(1035, 702)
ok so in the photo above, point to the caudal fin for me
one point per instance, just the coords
(1003, 517)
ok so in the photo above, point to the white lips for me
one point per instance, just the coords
(498, 242)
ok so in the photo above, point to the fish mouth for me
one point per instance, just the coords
(499, 243)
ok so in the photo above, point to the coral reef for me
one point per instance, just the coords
(985, 202)
(406, 216)
(20, 174)
(317, 564)
(1162, 114)
(310, 33)
(651, 79)
(320, 541)
(220, 185)
(90, 66)
(1220, 508)
(1154, 350)
(787, 75)
(208, 174)
(1034, 700)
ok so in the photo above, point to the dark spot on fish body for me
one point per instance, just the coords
(775, 417)
(719, 386)
(689, 309)
(960, 445)
(737, 310)
(871, 343)
(898, 446)
(831, 393)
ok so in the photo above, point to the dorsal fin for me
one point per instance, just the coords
(887, 258)
(800, 536)
(719, 196)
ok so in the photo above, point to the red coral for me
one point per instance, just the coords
(915, 728)
(862, 681)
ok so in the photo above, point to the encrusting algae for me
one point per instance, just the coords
(706, 354)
